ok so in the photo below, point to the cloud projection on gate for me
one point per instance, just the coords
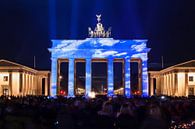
(106, 48)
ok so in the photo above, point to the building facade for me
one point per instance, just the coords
(177, 80)
(19, 80)
(99, 48)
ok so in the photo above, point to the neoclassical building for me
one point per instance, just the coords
(99, 48)
(177, 80)
(19, 80)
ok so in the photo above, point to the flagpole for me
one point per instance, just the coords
(34, 62)
(162, 62)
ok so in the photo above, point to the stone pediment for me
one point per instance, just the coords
(185, 65)
(190, 63)
(6, 63)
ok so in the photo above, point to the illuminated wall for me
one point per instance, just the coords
(192, 82)
(19, 80)
(108, 48)
(181, 83)
(174, 81)
(16, 83)
(3, 82)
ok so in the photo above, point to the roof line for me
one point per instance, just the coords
(176, 65)
(26, 67)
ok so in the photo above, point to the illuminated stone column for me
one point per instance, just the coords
(30, 82)
(25, 84)
(33, 88)
(162, 84)
(168, 86)
(33, 84)
(71, 77)
(53, 88)
(170, 82)
(10, 83)
(46, 86)
(170, 90)
(181, 83)
(166, 92)
(145, 89)
(176, 84)
(127, 78)
(88, 76)
(173, 83)
(151, 86)
(59, 77)
(157, 91)
(140, 73)
(110, 77)
(20, 83)
(170, 93)
(30, 88)
(25, 87)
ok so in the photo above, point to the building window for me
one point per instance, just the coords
(5, 78)
(191, 79)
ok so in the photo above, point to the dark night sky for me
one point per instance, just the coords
(26, 26)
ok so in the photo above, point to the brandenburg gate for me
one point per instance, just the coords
(99, 46)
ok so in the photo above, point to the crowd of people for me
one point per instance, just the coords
(42, 112)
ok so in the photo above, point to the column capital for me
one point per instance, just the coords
(110, 58)
(54, 76)
(128, 59)
(88, 58)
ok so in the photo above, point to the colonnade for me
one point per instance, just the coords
(88, 75)
(170, 83)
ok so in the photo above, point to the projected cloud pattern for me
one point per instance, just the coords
(91, 48)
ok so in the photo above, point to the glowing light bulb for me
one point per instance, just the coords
(92, 94)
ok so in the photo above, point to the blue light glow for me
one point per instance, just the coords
(88, 76)
(53, 88)
(91, 48)
(71, 77)
(110, 77)
(127, 77)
